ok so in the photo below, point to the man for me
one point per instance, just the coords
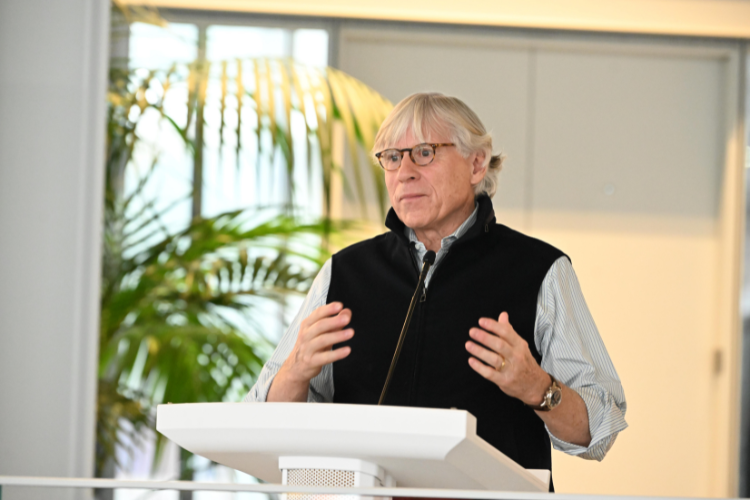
(501, 330)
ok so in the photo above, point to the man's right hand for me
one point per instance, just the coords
(312, 351)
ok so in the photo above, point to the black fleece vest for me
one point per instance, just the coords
(490, 269)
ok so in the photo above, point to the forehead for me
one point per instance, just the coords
(410, 138)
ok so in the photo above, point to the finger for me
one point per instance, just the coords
(484, 370)
(491, 358)
(325, 341)
(491, 341)
(323, 358)
(502, 328)
(328, 324)
(322, 312)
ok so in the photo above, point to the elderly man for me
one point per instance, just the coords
(502, 329)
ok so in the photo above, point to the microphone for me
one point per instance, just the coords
(427, 262)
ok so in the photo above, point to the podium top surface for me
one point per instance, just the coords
(419, 447)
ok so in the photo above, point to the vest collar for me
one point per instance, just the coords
(485, 217)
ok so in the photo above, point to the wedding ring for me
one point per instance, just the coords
(502, 365)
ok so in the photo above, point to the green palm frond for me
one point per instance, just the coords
(276, 90)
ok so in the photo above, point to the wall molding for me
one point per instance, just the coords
(701, 18)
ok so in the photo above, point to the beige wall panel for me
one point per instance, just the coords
(491, 78)
(617, 155)
(628, 134)
(627, 176)
(656, 329)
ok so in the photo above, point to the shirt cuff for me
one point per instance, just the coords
(314, 396)
(606, 420)
(595, 451)
(259, 392)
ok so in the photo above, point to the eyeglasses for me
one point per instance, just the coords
(421, 154)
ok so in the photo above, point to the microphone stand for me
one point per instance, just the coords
(427, 262)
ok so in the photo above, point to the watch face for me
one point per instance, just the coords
(555, 398)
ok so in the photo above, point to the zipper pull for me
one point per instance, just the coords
(424, 295)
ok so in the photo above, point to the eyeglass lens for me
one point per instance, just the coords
(421, 154)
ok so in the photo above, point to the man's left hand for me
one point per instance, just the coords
(506, 360)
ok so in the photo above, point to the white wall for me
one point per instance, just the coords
(53, 63)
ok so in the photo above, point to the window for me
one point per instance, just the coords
(223, 177)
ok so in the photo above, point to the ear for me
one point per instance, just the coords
(478, 170)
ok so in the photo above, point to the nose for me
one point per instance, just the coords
(408, 169)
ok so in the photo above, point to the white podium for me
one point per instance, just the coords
(347, 445)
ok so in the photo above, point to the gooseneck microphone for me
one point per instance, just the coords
(427, 262)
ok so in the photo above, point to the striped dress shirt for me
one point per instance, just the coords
(564, 334)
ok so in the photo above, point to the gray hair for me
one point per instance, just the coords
(433, 113)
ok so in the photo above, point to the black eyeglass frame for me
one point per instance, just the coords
(434, 147)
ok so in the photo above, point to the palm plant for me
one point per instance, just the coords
(169, 328)
(180, 307)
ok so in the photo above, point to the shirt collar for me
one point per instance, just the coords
(446, 242)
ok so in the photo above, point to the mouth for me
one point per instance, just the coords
(411, 197)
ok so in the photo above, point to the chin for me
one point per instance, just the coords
(414, 215)
(413, 221)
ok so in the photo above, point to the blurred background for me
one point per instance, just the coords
(173, 175)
